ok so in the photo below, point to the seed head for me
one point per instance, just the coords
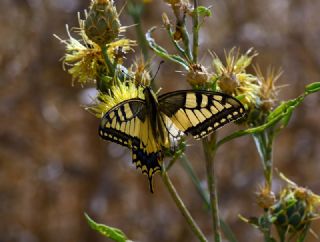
(197, 75)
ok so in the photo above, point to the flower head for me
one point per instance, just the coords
(268, 91)
(197, 75)
(84, 57)
(102, 23)
(140, 73)
(233, 79)
(295, 209)
(265, 197)
(119, 92)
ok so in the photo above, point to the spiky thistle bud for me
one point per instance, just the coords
(290, 213)
(102, 25)
(295, 210)
(165, 20)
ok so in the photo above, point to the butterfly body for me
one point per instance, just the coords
(149, 125)
(156, 122)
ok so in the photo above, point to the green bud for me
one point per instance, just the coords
(102, 25)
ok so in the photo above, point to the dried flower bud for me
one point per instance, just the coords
(102, 25)
(177, 36)
(197, 75)
(165, 20)
(265, 197)
(229, 83)
(268, 91)
(233, 79)
(141, 73)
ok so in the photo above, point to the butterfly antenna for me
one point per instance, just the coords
(154, 77)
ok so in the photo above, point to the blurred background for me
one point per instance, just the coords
(54, 167)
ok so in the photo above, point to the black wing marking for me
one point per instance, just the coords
(128, 124)
(200, 112)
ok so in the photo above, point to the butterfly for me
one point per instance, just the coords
(148, 126)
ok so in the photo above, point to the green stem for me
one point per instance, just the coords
(209, 152)
(195, 32)
(110, 65)
(264, 141)
(184, 211)
(178, 47)
(181, 26)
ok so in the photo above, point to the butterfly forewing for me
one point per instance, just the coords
(200, 112)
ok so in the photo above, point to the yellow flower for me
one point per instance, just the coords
(118, 49)
(84, 58)
(233, 79)
(118, 93)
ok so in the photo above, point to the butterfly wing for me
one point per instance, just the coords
(173, 133)
(200, 112)
(128, 124)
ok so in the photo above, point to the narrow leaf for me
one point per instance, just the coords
(109, 232)
(313, 87)
(163, 53)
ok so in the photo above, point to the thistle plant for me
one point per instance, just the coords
(96, 57)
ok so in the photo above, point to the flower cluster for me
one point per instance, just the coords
(291, 212)
(98, 55)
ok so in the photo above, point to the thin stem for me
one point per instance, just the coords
(195, 32)
(212, 186)
(184, 211)
(178, 47)
(181, 26)
(109, 64)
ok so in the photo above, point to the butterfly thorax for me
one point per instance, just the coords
(157, 125)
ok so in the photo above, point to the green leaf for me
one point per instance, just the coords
(313, 87)
(203, 11)
(163, 53)
(109, 232)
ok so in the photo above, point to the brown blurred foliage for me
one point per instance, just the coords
(54, 167)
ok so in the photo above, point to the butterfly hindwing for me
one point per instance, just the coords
(200, 112)
(128, 124)
(174, 134)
